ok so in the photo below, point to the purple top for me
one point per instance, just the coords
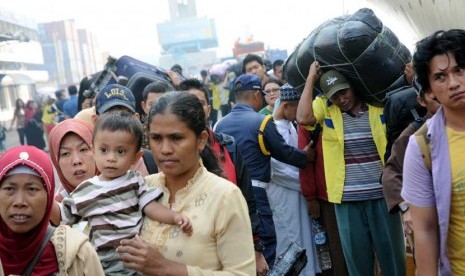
(420, 188)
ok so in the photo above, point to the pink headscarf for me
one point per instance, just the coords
(17, 250)
(80, 128)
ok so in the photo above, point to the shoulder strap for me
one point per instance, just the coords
(415, 114)
(423, 142)
(418, 123)
(227, 141)
(150, 162)
(316, 134)
(224, 139)
(32, 264)
(261, 140)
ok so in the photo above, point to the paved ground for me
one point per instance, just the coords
(12, 139)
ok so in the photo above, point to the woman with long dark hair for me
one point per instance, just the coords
(19, 119)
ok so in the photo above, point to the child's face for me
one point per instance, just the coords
(115, 152)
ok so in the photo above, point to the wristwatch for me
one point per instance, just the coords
(403, 206)
(259, 246)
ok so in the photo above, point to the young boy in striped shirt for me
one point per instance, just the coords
(114, 201)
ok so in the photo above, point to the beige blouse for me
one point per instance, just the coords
(221, 243)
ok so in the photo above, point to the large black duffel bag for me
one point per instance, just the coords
(360, 47)
(137, 75)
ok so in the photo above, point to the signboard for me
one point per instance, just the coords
(201, 31)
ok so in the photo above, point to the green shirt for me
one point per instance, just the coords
(265, 111)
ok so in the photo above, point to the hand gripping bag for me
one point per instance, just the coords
(360, 47)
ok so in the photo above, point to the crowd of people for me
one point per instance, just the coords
(36, 118)
(220, 175)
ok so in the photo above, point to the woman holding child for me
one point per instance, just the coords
(216, 208)
(114, 201)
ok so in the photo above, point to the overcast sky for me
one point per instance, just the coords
(129, 27)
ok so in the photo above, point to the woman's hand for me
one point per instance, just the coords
(184, 223)
(142, 257)
(145, 258)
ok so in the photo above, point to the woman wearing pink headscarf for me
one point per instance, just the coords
(71, 153)
(28, 244)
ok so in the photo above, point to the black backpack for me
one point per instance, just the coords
(149, 162)
(400, 109)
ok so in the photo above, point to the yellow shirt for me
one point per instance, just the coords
(48, 118)
(456, 235)
(221, 243)
(216, 101)
(330, 118)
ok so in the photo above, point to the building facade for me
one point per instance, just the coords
(21, 61)
(186, 39)
(70, 53)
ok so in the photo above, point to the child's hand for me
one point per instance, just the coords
(184, 223)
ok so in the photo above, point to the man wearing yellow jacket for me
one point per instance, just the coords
(354, 143)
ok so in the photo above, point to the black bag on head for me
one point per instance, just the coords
(400, 109)
(360, 47)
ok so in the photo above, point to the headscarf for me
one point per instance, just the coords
(18, 249)
(76, 126)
